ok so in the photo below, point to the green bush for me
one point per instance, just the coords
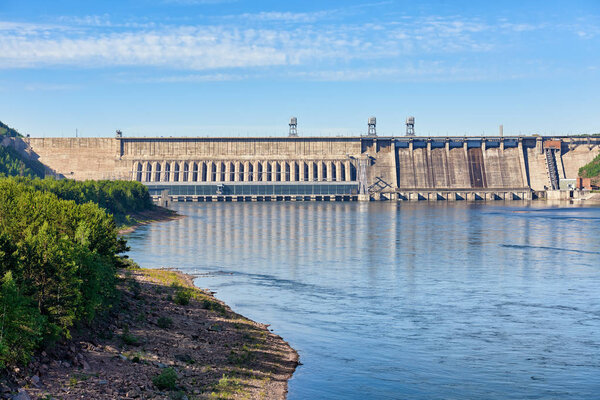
(183, 296)
(166, 380)
(21, 325)
(214, 306)
(165, 322)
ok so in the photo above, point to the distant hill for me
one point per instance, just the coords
(12, 163)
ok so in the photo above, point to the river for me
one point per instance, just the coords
(409, 300)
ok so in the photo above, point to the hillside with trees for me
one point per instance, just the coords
(592, 170)
(6, 130)
(12, 163)
(58, 261)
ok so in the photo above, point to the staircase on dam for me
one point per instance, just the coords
(552, 168)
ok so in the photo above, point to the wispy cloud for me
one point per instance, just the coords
(226, 50)
(50, 87)
(197, 2)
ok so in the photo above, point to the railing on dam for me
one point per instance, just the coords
(254, 189)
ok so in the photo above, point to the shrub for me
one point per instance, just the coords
(128, 338)
(166, 380)
(21, 325)
(214, 306)
(165, 322)
(183, 296)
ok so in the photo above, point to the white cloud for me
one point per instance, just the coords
(323, 52)
(197, 2)
(50, 87)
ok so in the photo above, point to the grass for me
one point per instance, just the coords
(242, 357)
(184, 290)
(227, 388)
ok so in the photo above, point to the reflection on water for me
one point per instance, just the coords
(424, 301)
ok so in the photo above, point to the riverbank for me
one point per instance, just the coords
(156, 214)
(168, 340)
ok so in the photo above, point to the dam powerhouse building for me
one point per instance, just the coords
(366, 167)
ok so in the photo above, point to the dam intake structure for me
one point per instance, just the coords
(322, 168)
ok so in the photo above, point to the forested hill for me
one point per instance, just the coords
(6, 130)
(11, 162)
(122, 199)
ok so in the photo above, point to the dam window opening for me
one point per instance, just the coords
(202, 171)
(138, 169)
(195, 172)
(259, 171)
(287, 172)
(221, 172)
(324, 173)
(296, 172)
(176, 172)
(250, 172)
(167, 172)
(148, 172)
(157, 172)
(352, 172)
(213, 172)
(269, 171)
(333, 172)
(343, 171)
(315, 172)
(186, 172)
(231, 175)
(241, 172)
(305, 169)
(277, 172)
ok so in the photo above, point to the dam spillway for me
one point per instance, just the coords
(327, 168)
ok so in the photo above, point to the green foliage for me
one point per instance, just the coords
(214, 306)
(130, 340)
(119, 198)
(12, 164)
(591, 170)
(183, 296)
(58, 260)
(21, 324)
(6, 130)
(165, 322)
(166, 380)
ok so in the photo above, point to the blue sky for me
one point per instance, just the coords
(242, 68)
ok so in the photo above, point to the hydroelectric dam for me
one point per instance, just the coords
(322, 168)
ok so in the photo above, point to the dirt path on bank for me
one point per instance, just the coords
(213, 352)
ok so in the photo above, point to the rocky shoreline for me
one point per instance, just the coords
(168, 340)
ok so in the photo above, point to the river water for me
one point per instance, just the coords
(410, 300)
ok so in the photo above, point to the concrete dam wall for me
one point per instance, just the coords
(317, 166)
(460, 167)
